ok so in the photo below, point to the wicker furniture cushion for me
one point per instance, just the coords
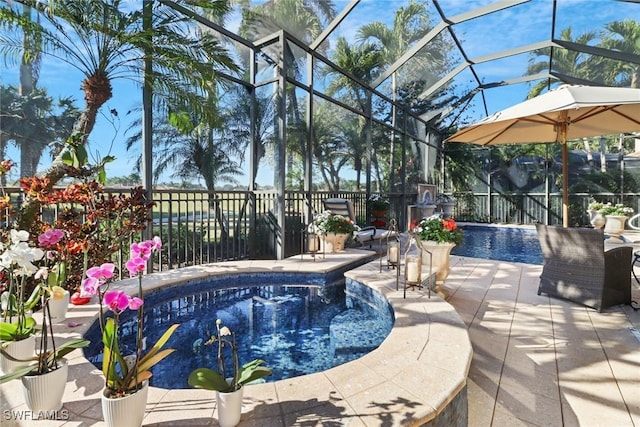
(577, 268)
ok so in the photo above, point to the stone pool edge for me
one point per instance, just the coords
(416, 376)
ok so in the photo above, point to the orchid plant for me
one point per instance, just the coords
(209, 379)
(19, 260)
(125, 374)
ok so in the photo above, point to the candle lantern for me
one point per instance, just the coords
(312, 241)
(412, 267)
(393, 246)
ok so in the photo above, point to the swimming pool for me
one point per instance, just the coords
(500, 243)
(303, 324)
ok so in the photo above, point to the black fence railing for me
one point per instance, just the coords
(199, 227)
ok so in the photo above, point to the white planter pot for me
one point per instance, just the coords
(22, 349)
(596, 220)
(58, 308)
(44, 392)
(614, 225)
(127, 411)
(229, 407)
(438, 255)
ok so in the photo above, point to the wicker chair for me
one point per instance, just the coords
(577, 268)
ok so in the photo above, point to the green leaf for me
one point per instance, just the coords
(208, 379)
(158, 345)
(68, 158)
(33, 299)
(111, 357)
(16, 373)
(252, 371)
(102, 176)
(82, 158)
(181, 121)
(13, 331)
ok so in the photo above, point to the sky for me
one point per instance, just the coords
(510, 28)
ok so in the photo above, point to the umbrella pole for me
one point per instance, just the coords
(565, 177)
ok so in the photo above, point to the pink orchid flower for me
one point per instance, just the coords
(141, 250)
(103, 272)
(136, 266)
(157, 243)
(50, 237)
(135, 303)
(89, 287)
(117, 301)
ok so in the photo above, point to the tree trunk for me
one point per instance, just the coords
(58, 169)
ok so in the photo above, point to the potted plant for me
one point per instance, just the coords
(124, 397)
(17, 327)
(44, 375)
(55, 242)
(445, 204)
(595, 217)
(335, 229)
(228, 389)
(378, 205)
(436, 236)
(615, 217)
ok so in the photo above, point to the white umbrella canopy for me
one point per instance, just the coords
(562, 114)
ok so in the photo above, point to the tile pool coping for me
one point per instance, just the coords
(410, 379)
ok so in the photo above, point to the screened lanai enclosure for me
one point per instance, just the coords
(303, 100)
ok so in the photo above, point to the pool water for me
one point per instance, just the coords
(296, 328)
(500, 243)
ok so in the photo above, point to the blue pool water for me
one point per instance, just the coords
(500, 243)
(299, 326)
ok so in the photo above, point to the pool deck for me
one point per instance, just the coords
(536, 361)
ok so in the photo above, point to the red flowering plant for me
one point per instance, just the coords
(96, 223)
(438, 229)
(125, 374)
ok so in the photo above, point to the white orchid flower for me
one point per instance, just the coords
(19, 236)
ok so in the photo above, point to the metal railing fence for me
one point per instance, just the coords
(199, 227)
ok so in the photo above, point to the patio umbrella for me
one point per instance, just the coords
(562, 114)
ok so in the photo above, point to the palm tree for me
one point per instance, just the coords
(363, 62)
(329, 147)
(305, 20)
(104, 41)
(623, 36)
(410, 24)
(34, 122)
(569, 62)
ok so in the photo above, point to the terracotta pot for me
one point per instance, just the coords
(379, 213)
(334, 242)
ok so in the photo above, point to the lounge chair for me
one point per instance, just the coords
(577, 268)
(367, 234)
